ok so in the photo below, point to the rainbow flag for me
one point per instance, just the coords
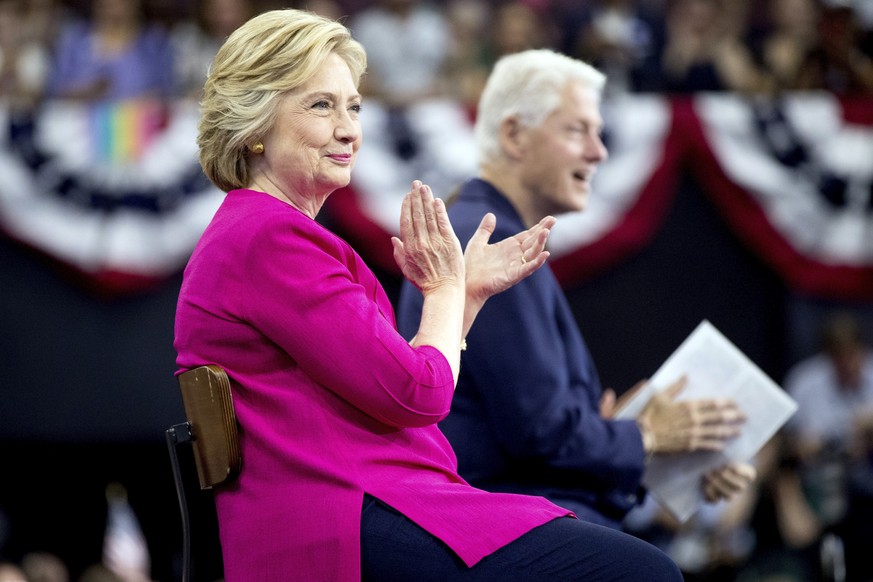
(121, 131)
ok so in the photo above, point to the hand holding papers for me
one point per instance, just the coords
(714, 368)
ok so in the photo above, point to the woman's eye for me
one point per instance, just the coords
(356, 107)
(321, 105)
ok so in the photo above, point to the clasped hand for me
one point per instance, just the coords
(429, 254)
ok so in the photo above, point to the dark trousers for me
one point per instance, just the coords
(395, 548)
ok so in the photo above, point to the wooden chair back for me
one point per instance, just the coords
(214, 433)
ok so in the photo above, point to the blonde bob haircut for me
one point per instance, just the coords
(271, 54)
(527, 85)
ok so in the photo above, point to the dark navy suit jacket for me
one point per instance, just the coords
(525, 416)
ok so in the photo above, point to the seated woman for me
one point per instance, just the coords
(346, 475)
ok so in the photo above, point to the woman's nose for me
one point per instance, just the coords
(348, 129)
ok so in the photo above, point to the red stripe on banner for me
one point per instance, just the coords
(751, 224)
(857, 110)
(639, 224)
(685, 146)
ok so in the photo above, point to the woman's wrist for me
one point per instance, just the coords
(446, 287)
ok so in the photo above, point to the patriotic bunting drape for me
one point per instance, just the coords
(112, 191)
(793, 177)
(116, 193)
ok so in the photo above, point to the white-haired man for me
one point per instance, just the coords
(529, 414)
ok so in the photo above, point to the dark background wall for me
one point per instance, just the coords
(88, 387)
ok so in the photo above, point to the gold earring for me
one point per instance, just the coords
(258, 148)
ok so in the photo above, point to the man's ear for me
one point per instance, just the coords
(512, 137)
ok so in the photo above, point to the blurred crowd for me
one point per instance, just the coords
(813, 505)
(121, 49)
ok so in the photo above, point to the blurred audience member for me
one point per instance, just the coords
(613, 36)
(42, 19)
(466, 70)
(702, 49)
(44, 567)
(25, 49)
(784, 50)
(838, 59)
(518, 26)
(483, 32)
(115, 54)
(833, 390)
(9, 572)
(814, 45)
(407, 43)
(196, 40)
(829, 436)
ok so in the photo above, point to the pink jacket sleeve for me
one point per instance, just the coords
(310, 294)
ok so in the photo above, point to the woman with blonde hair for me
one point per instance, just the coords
(345, 473)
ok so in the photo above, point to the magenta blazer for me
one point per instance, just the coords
(332, 402)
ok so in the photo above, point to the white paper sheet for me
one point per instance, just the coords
(714, 368)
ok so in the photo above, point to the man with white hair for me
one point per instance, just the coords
(529, 414)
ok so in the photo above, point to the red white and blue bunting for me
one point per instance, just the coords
(793, 177)
(123, 223)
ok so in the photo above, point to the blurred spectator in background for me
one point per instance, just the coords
(833, 390)
(482, 33)
(407, 43)
(115, 54)
(702, 49)
(784, 48)
(813, 45)
(466, 69)
(612, 35)
(829, 436)
(839, 60)
(44, 567)
(27, 29)
(42, 19)
(518, 26)
(196, 40)
(9, 572)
